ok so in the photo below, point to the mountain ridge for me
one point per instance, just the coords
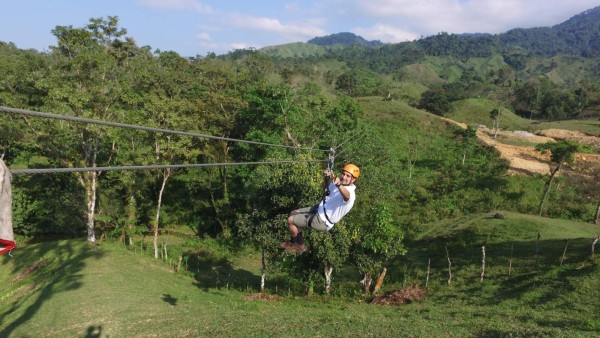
(579, 35)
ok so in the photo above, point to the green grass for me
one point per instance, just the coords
(587, 126)
(296, 49)
(477, 111)
(68, 289)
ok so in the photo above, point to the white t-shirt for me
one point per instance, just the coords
(335, 205)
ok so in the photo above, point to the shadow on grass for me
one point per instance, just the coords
(94, 332)
(213, 271)
(60, 271)
(169, 299)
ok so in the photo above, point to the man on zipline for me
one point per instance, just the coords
(323, 216)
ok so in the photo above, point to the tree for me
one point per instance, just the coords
(467, 136)
(375, 243)
(495, 115)
(86, 82)
(561, 152)
(167, 106)
(347, 83)
(435, 100)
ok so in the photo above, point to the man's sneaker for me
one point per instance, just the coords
(288, 246)
(299, 248)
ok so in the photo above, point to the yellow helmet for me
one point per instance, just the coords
(352, 170)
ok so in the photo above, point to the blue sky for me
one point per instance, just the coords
(197, 27)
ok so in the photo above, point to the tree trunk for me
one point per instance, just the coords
(380, 279)
(597, 217)
(166, 175)
(263, 273)
(90, 187)
(328, 271)
(130, 220)
(548, 187)
(366, 282)
(449, 266)
(496, 125)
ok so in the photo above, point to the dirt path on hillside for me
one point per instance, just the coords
(526, 160)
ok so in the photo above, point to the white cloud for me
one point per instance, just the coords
(203, 36)
(211, 46)
(460, 16)
(301, 29)
(387, 33)
(178, 5)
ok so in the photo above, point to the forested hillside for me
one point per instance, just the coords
(379, 107)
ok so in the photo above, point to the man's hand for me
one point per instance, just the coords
(329, 173)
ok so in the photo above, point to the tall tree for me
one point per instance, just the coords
(376, 242)
(467, 137)
(561, 152)
(495, 115)
(86, 82)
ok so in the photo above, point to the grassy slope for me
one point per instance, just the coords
(477, 111)
(114, 292)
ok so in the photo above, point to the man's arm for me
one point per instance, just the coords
(338, 183)
(345, 193)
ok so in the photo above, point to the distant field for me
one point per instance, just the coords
(477, 111)
(588, 126)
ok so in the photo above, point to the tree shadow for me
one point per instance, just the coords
(94, 331)
(211, 271)
(169, 299)
(59, 272)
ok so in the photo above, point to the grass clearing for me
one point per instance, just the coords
(66, 288)
(587, 126)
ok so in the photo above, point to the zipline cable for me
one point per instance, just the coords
(362, 133)
(131, 126)
(143, 167)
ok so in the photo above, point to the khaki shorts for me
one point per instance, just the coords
(304, 216)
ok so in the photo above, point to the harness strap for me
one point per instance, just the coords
(313, 212)
(326, 191)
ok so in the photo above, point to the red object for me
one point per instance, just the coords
(6, 246)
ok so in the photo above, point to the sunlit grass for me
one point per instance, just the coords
(112, 291)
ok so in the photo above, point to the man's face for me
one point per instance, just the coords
(347, 178)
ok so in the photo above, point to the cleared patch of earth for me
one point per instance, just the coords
(526, 159)
(401, 296)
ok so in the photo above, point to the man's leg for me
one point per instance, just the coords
(296, 221)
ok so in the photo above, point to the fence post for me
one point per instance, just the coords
(562, 258)
(428, 269)
(449, 266)
(510, 261)
(482, 263)
(537, 250)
